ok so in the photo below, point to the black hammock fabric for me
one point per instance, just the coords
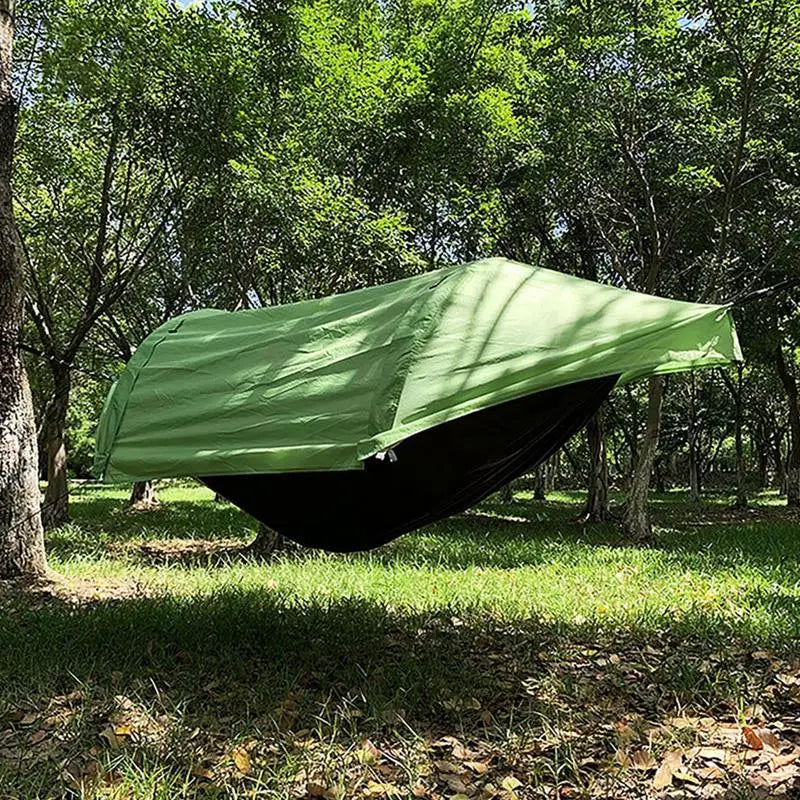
(429, 476)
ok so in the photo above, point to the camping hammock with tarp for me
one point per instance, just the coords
(346, 421)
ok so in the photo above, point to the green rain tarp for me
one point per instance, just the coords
(323, 385)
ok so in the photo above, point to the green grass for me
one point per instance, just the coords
(527, 637)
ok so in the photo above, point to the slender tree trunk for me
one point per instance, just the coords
(659, 475)
(596, 508)
(21, 537)
(553, 468)
(55, 510)
(694, 475)
(694, 466)
(539, 480)
(266, 543)
(793, 464)
(741, 467)
(636, 522)
(143, 496)
(777, 456)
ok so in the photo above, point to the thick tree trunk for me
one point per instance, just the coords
(143, 496)
(21, 537)
(266, 543)
(789, 382)
(55, 510)
(596, 508)
(636, 522)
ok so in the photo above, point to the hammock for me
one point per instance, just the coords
(345, 421)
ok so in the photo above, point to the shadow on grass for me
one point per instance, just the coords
(255, 663)
(262, 645)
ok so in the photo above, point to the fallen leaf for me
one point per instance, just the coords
(780, 775)
(510, 783)
(769, 739)
(202, 772)
(478, 767)
(663, 777)
(782, 761)
(709, 753)
(751, 738)
(241, 758)
(317, 790)
(622, 758)
(642, 759)
(671, 763)
(710, 773)
(382, 789)
(37, 737)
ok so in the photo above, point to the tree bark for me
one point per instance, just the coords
(694, 476)
(694, 466)
(266, 543)
(777, 457)
(789, 382)
(741, 467)
(21, 537)
(596, 508)
(636, 522)
(55, 510)
(539, 480)
(143, 496)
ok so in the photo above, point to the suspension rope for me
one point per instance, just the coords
(769, 291)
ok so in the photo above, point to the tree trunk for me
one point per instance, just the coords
(553, 468)
(793, 465)
(55, 510)
(741, 467)
(694, 466)
(636, 522)
(694, 475)
(143, 496)
(539, 480)
(596, 508)
(267, 541)
(659, 473)
(21, 537)
(777, 456)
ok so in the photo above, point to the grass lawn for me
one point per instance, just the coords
(506, 653)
